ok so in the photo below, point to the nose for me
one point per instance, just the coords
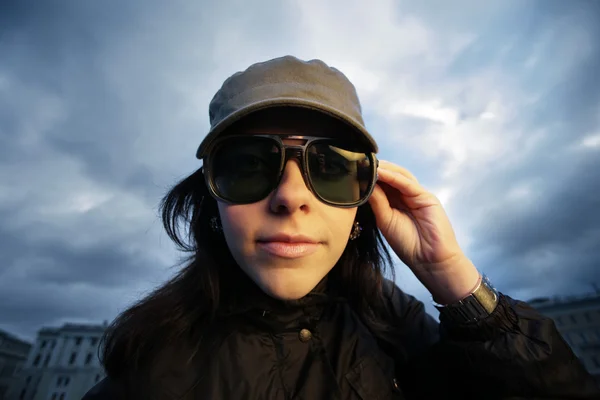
(291, 195)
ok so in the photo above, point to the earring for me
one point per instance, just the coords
(215, 225)
(356, 230)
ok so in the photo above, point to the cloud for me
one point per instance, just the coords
(102, 106)
(591, 141)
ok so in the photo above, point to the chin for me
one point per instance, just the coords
(285, 293)
(285, 285)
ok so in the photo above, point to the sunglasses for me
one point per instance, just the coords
(243, 169)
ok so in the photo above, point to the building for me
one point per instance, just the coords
(578, 320)
(13, 354)
(63, 364)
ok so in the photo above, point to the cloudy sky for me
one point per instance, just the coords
(495, 108)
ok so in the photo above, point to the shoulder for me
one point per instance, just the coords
(400, 302)
(419, 329)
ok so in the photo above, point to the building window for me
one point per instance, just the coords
(591, 336)
(62, 396)
(94, 341)
(53, 396)
(53, 344)
(22, 395)
(37, 360)
(88, 359)
(43, 344)
(78, 340)
(47, 360)
(72, 359)
(59, 381)
(67, 380)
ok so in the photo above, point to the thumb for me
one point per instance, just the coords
(379, 204)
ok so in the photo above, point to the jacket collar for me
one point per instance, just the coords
(248, 301)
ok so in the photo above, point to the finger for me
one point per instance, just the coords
(396, 168)
(379, 201)
(395, 199)
(380, 205)
(383, 210)
(398, 181)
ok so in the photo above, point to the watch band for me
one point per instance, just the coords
(475, 307)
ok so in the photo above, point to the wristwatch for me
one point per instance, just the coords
(475, 307)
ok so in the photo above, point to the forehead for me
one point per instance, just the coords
(294, 121)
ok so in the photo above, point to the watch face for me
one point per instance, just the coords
(487, 296)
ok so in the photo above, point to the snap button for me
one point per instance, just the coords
(396, 385)
(305, 335)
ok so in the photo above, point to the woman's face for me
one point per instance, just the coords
(255, 233)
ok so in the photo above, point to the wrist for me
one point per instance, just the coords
(453, 283)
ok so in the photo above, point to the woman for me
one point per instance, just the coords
(283, 296)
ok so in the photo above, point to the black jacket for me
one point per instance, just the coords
(319, 349)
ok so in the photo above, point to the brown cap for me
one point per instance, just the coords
(285, 81)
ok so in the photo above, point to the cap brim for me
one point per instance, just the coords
(282, 102)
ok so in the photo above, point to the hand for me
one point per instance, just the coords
(415, 225)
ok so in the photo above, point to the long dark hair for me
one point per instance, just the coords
(178, 310)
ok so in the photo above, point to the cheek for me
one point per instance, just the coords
(340, 221)
(238, 224)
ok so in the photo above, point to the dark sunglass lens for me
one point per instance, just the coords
(339, 175)
(245, 170)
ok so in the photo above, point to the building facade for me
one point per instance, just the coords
(62, 364)
(578, 320)
(13, 355)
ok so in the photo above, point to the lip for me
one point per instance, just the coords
(288, 246)
(288, 250)
(288, 238)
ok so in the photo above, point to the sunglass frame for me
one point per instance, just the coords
(288, 151)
